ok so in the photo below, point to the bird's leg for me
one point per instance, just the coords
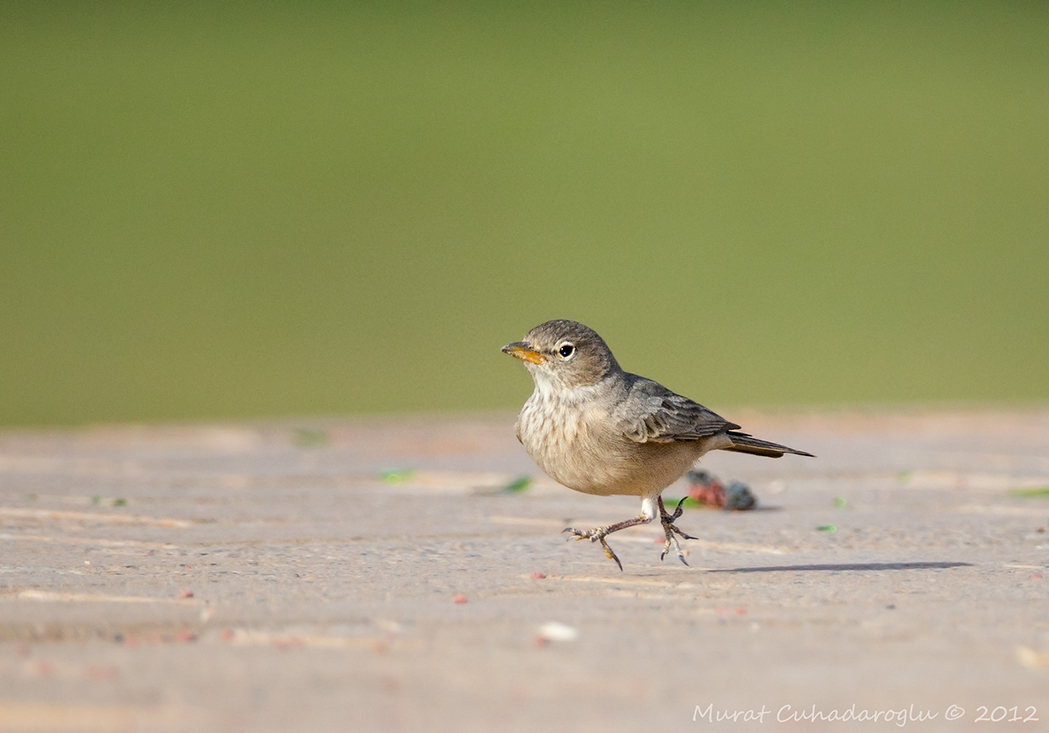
(598, 534)
(670, 529)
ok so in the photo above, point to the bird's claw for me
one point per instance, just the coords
(597, 534)
(670, 529)
(678, 510)
(611, 555)
(594, 535)
(683, 535)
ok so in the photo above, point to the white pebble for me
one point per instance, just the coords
(557, 631)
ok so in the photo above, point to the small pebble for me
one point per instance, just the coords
(739, 611)
(739, 497)
(557, 631)
(705, 489)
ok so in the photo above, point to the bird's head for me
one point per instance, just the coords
(564, 353)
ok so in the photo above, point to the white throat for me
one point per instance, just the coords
(548, 389)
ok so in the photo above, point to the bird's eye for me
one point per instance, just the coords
(566, 350)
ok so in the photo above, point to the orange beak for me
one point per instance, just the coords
(524, 351)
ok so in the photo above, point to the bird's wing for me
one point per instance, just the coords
(651, 413)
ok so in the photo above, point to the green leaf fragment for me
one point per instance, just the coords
(520, 483)
(1042, 491)
(672, 502)
(397, 476)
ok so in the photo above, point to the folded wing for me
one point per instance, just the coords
(651, 413)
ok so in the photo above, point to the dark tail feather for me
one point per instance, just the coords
(743, 443)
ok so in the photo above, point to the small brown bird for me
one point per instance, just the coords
(600, 430)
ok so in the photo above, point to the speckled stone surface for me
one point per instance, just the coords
(359, 575)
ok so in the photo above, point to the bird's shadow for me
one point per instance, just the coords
(860, 566)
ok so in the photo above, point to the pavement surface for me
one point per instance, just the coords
(395, 575)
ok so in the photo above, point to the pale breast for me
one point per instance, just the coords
(578, 446)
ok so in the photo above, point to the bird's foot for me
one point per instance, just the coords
(670, 529)
(598, 534)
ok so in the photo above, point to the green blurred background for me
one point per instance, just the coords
(225, 210)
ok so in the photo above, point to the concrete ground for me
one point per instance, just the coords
(378, 575)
